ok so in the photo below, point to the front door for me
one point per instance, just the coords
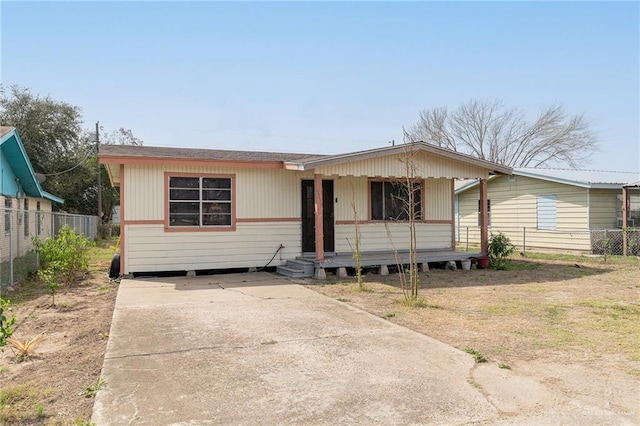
(309, 217)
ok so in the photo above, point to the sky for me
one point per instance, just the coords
(325, 77)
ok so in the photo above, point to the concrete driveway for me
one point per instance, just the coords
(255, 348)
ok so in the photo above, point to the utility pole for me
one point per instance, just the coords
(99, 172)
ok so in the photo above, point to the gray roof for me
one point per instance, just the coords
(299, 161)
(587, 178)
(203, 154)
(597, 179)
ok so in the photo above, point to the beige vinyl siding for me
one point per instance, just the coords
(373, 236)
(430, 166)
(513, 207)
(260, 193)
(439, 199)
(347, 190)
(602, 211)
(150, 248)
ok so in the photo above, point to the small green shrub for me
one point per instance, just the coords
(6, 324)
(504, 366)
(62, 258)
(500, 248)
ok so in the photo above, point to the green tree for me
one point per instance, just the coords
(61, 151)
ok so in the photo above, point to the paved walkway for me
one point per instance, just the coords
(254, 348)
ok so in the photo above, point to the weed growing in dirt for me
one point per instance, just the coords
(477, 355)
(91, 390)
(418, 302)
(504, 366)
(83, 422)
(342, 299)
(25, 348)
(389, 315)
(4, 369)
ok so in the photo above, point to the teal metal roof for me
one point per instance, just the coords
(13, 150)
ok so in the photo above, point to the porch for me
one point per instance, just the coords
(306, 265)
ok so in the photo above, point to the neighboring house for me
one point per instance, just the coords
(199, 209)
(551, 208)
(22, 200)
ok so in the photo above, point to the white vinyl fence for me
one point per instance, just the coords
(17, 230)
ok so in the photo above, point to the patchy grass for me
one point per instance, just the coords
(20, 404)
(542, 309)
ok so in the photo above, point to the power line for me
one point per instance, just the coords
(70, 169)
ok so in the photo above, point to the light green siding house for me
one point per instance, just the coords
(550, 208)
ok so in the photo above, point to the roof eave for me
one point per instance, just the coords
(422, 146)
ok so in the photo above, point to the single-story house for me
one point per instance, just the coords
(22, 199)
(552, 208)
(203, 209)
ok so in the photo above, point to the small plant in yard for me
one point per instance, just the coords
(342, 299)
(63, 258)
(91, 390)
(504, 366)
(476, 355)
(83, 422)
(6, 324)
(500, 248)
(389, 315)
(25, 348)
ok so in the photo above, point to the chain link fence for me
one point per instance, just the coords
(18, 228)
(624, 242)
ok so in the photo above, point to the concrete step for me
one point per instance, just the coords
(304, 265)
(293, 273)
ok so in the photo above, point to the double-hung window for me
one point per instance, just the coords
(201, 201)
(390, 200)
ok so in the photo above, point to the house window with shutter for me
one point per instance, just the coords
(546, 211)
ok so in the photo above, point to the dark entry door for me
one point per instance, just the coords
(309, 217)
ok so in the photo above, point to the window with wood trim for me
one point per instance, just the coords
(200, 201)
(390, 200)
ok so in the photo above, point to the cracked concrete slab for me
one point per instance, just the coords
(249, 348)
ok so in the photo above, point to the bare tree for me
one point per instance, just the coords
(492, 131)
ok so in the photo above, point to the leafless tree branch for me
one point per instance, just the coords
(492, 131)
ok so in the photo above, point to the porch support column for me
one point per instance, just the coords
(318, 209)
(625, 243)
(484, 217)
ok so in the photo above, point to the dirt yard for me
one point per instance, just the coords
(572, 326)
(569, 335)
(51, 388)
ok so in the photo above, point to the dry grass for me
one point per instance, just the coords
(543, 309)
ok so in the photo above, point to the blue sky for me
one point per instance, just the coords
(325, 77)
